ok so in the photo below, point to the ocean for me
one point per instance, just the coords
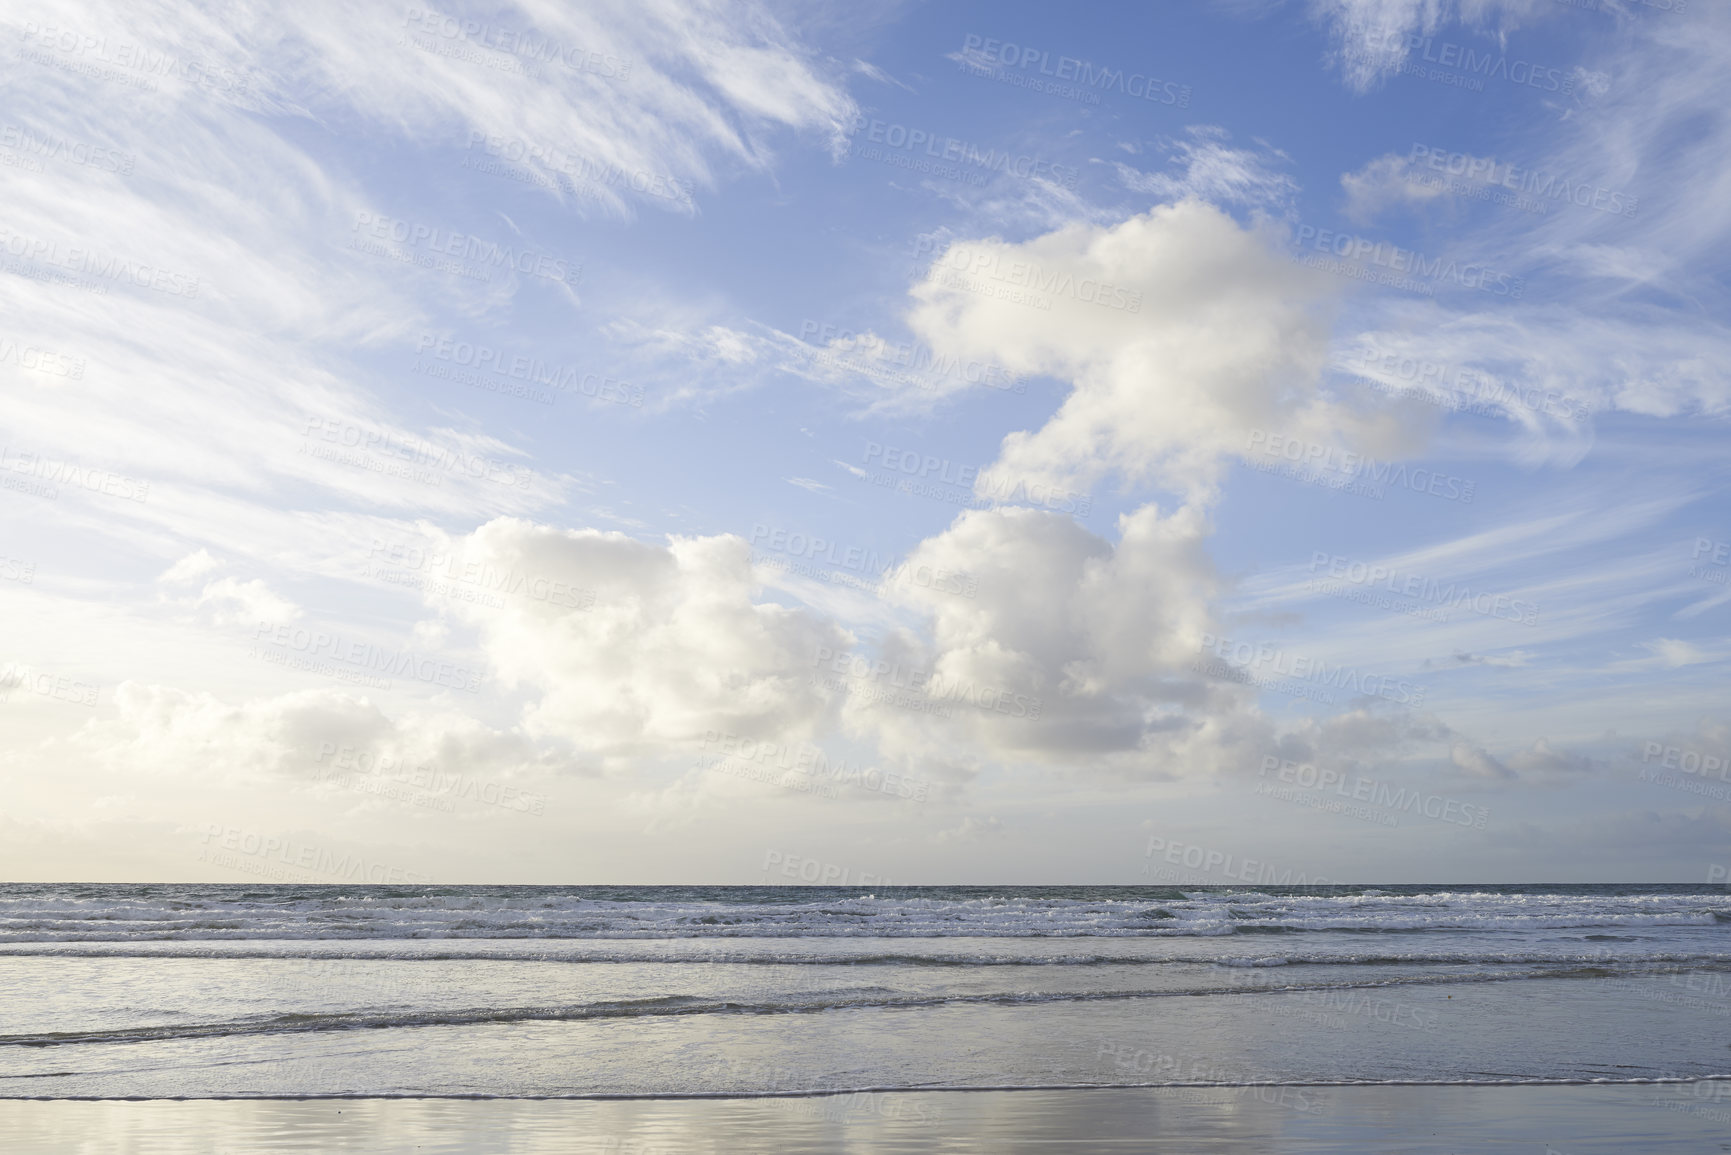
(1282, 995)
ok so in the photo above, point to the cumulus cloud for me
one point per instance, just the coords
(1065, 648)
(1227, 338)
(189, 568)
(632, 648)
(228, 600)
(1209, 332)
(245, 603)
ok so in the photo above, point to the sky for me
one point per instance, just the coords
(795, 442)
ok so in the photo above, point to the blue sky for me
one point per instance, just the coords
(960, 441)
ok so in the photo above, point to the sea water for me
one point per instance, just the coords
(1273, 993)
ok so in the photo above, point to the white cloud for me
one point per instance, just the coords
(246, 603)
(631, 648)
(1370, 37)
(231, 200)
(1215, 172)
(1512, 660)
(189, 568)
(970, 829)
(1388, 181)
(1069, 650)
(1622, 309)
(1477, 761)
(1228, 336)
(158, 733)
(1674, 652)
(1544, 760)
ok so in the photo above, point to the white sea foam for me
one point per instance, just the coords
(213, 913)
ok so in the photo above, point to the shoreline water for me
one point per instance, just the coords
(1435, 1120)
(659, 1019)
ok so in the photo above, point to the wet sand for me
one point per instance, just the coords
(1432, 1120)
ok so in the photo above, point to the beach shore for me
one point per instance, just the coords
(1420, 1120)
